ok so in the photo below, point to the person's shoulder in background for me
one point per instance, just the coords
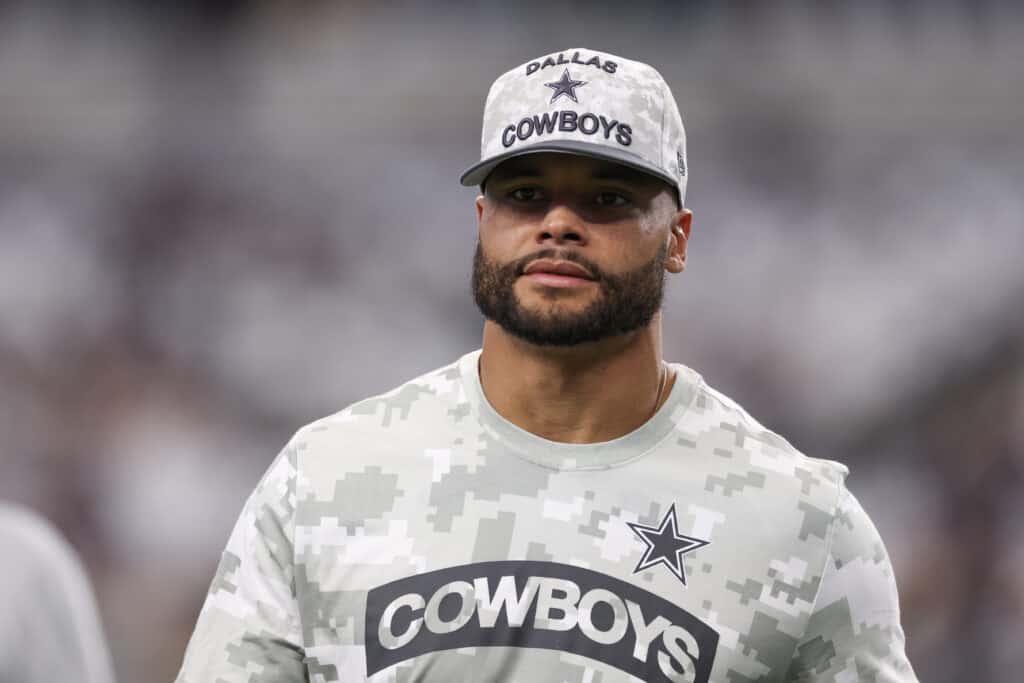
(49, 627)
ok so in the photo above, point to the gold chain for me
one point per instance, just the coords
(662, 383)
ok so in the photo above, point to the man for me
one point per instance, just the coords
(561, 505)
(49, 625)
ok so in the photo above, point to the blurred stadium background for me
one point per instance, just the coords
(220, 221)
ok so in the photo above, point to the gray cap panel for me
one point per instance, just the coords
(584, 102)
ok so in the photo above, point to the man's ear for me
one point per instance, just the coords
(480, 209)
(679, 238)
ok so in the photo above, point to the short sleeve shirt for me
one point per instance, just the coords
(420, 536)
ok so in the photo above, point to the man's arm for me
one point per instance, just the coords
(249, 629)
(854, 631)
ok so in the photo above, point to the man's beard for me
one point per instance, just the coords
(625, 302)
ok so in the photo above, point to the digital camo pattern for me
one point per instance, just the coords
(418, 536)
(616, 105)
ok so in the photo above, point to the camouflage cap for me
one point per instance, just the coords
(579, 101)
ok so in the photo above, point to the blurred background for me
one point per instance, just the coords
(220, 221)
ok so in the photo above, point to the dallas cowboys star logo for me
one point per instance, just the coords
(565, 86)
(665, 545)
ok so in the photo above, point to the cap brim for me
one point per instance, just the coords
(476, 174)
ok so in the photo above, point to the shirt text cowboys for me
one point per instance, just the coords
(537, 605)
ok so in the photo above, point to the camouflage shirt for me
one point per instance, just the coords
(420, 536)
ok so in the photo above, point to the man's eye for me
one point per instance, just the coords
(525, 194)
(610, 199)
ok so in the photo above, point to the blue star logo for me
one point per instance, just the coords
(665, 545)
(565, 86)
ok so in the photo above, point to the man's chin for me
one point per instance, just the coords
(545, 327)
(541, 299)
(554, 314)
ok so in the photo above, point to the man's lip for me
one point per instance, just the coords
(567, 268)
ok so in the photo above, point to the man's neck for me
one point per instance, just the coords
(583, 394)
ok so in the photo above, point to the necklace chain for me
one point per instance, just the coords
(662, 383)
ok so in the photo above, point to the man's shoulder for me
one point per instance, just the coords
(718, 421)
(413, 405)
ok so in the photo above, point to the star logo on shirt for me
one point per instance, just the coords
(565, 86)
(665, 545)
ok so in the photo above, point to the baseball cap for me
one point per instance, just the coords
(581, 101)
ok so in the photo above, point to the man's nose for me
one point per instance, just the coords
(562, 224)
